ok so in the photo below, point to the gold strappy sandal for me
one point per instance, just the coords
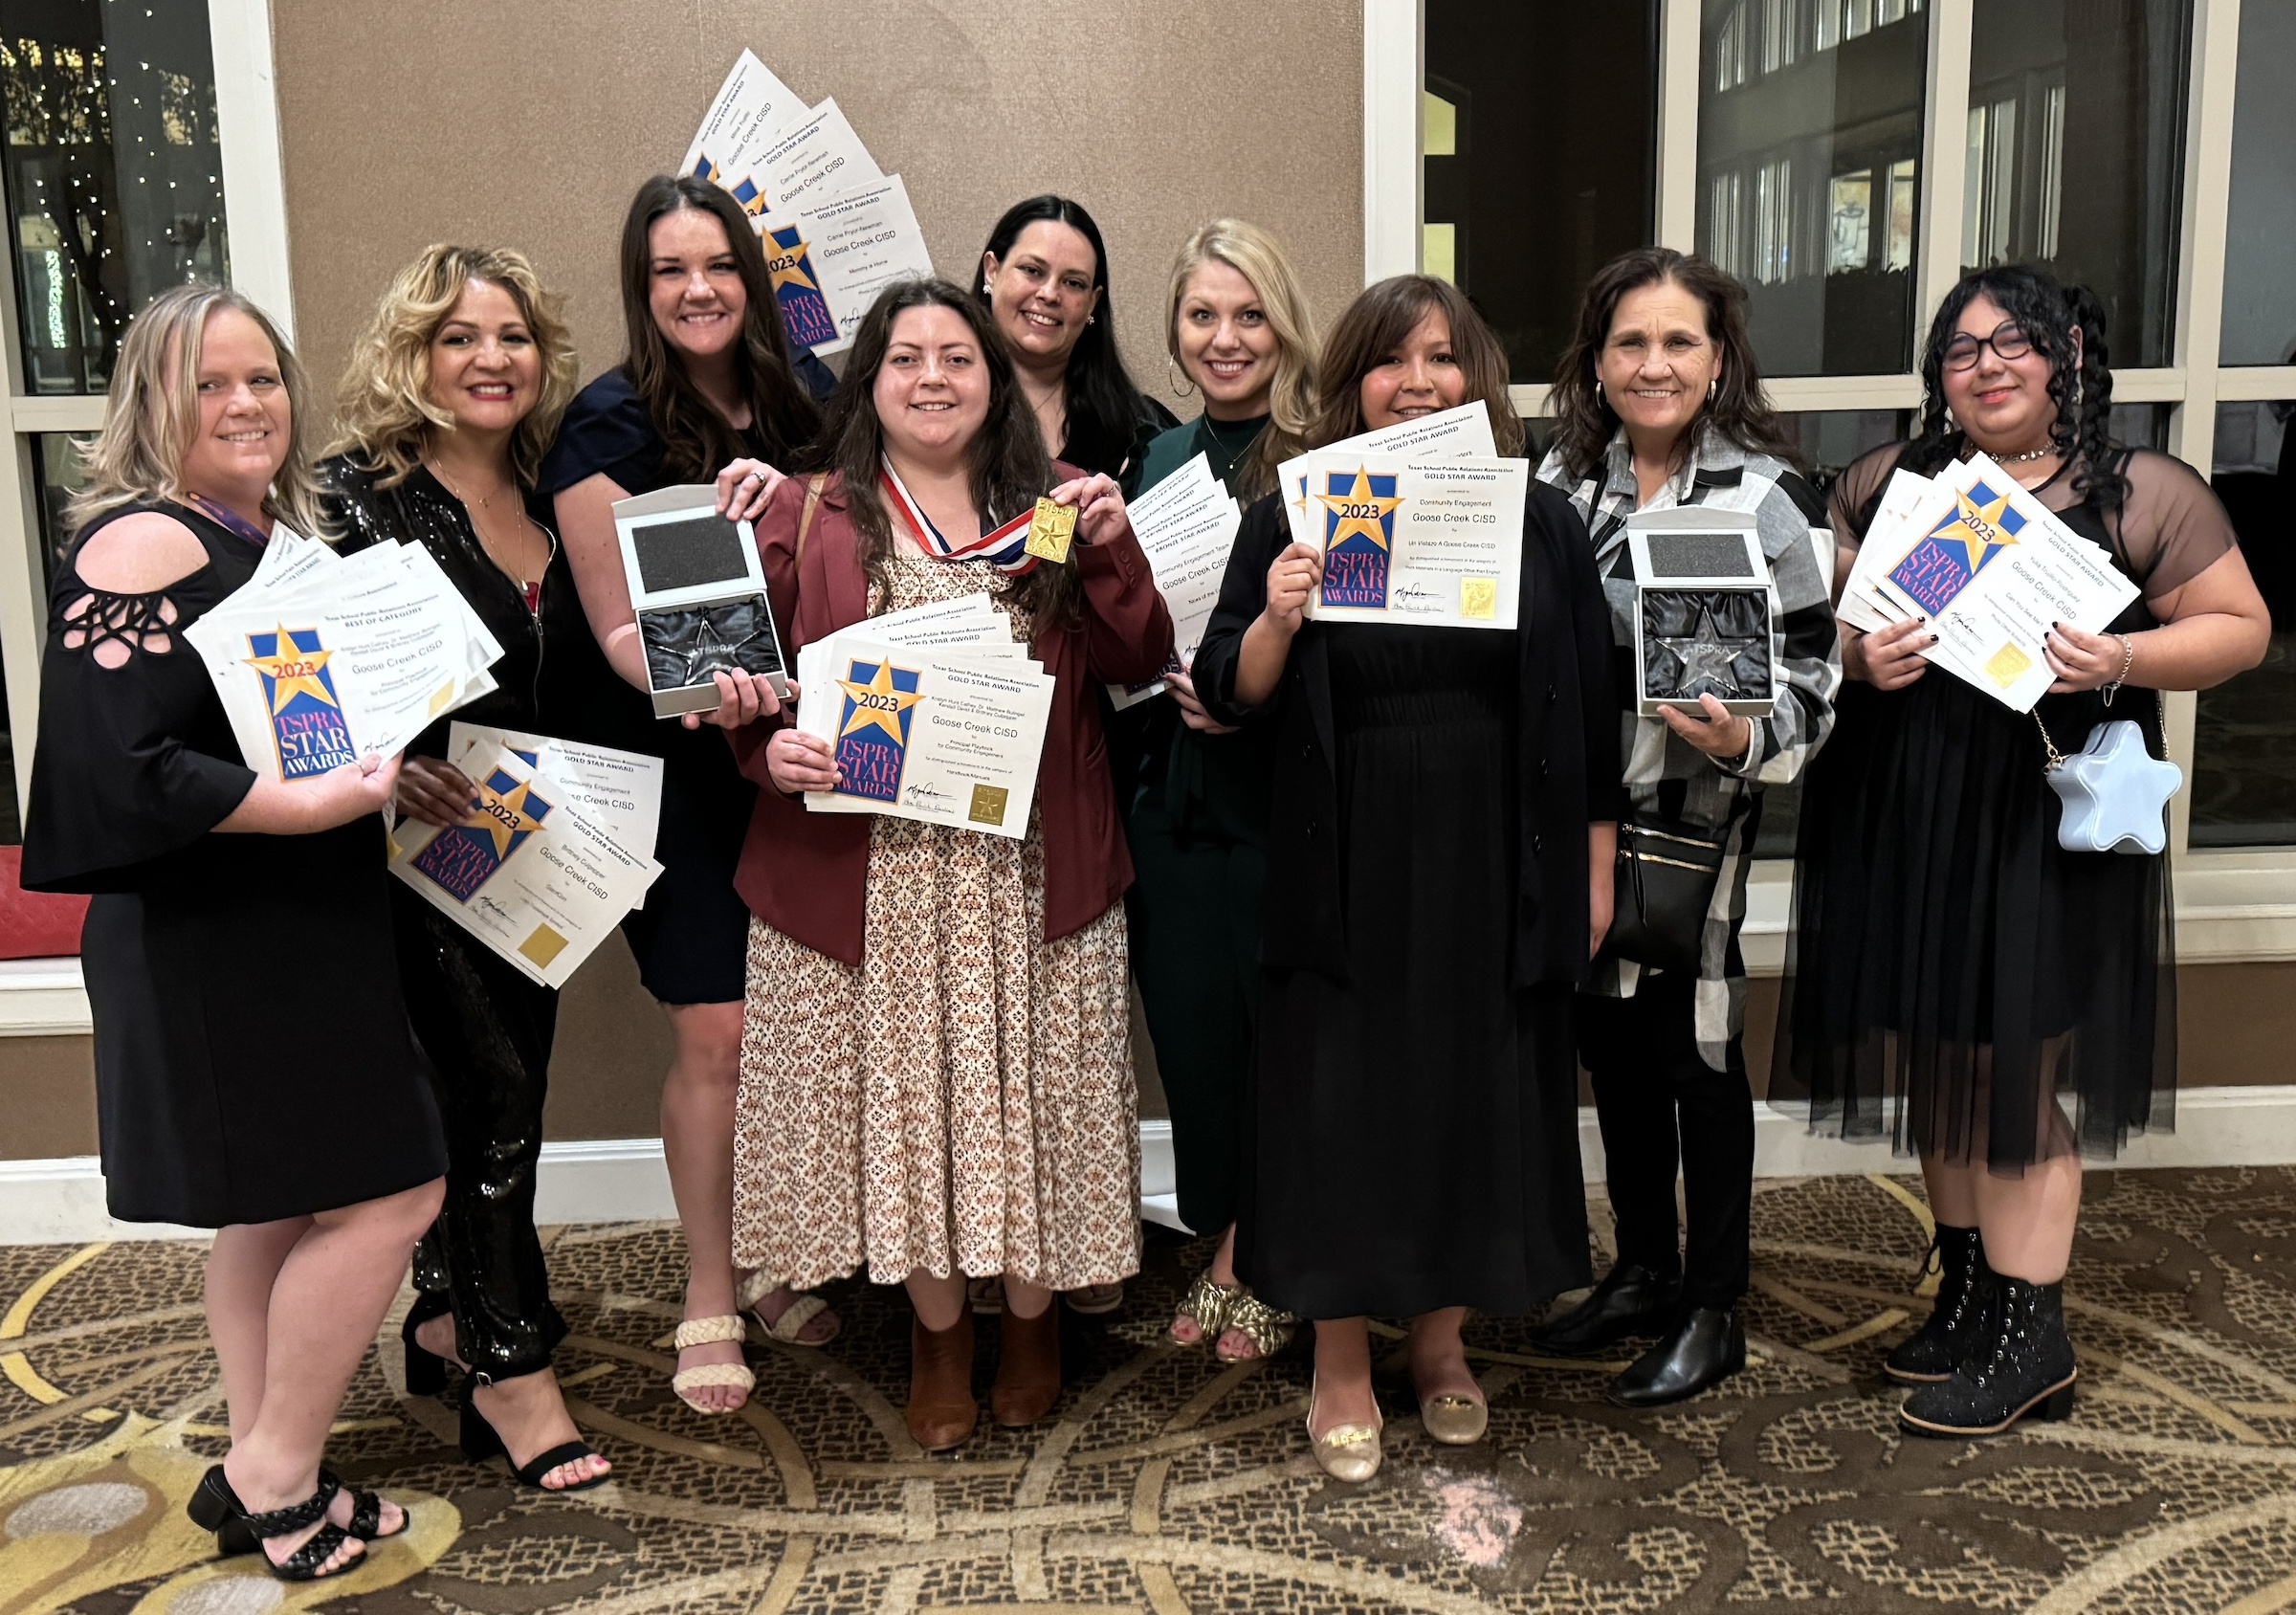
(1269, 1330)
(1206, 1304)
(705, 1332)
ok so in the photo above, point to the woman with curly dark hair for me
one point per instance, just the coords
(1950, 957)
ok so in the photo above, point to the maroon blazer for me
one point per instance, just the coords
(803, 874)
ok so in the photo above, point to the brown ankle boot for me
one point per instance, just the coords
(942, 1410)
(1029, 1367)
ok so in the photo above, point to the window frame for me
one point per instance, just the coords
(2233, 904)
(246, 118)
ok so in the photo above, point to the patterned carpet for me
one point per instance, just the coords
(1165, 1483)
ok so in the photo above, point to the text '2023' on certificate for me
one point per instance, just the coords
(1434, 542)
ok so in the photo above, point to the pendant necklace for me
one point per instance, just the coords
(527, 586)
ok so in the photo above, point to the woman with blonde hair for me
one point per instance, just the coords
(1195, 793)
(254, 1070)
(451, 398)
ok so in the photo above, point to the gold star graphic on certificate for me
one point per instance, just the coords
(786, 267)
(877, 703)
(1970, 522)
(1349, 508)
(502, 814)
(293, 672)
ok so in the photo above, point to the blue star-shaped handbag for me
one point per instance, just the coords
(2115, 792)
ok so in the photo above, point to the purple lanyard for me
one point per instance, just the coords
(231, 520)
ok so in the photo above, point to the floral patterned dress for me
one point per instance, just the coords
(960, 1101)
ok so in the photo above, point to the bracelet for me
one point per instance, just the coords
(2127, 661)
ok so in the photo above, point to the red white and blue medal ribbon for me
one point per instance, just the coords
(1006, 548)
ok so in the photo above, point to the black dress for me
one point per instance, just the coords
(1947, 953)
(487, 1027)
(692, 937)
(252, 1058)
(1414, 1128)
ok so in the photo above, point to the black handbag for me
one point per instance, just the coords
(1667, 875)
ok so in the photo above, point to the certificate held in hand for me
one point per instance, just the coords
(1438, 542)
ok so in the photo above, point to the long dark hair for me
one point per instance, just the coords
(1105, 409)
(696, 438)
(1376, 323)
(1584, 422)
(1007, 458)
(2082, 388)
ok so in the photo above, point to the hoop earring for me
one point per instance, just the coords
(1182, 386)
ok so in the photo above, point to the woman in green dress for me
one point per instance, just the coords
(1238, 331)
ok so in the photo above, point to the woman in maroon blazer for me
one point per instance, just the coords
(936, 1064)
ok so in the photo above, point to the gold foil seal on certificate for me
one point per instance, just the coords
(1479, 599)
(1049, 531)
(988, 804)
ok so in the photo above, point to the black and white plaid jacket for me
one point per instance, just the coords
(1665, 774)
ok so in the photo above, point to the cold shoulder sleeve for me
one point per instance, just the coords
(2171, 527)
(134, 758)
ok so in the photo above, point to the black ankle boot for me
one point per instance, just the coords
(1707, 1348)
(1630, 1300)
(1956, 1321)
(2024, 1365)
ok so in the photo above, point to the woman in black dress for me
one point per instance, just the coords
(254, 1070)
(1949, 955)
(469, 334)
(705, 389)
(1439, 873)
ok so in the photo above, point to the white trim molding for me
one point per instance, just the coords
(60, 1201)
(1391, 167)
(43, 997)
(247, 118)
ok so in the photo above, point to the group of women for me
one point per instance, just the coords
(1361, 876)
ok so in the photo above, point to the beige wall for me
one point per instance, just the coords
(513, 124)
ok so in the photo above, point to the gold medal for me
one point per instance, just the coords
(1049, 531)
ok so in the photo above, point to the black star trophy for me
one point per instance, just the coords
(1703, 616)
(699, 592)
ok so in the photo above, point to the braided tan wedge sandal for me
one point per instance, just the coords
(802, 1309)
(705, 1332)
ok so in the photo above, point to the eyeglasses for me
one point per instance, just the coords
(2007, 341)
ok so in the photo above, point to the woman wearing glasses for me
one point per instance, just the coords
(1950, 955)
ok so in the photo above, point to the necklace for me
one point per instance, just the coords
(518, 574)
(2041, 454)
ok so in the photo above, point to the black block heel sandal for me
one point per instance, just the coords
(233, 1537)
(215, 1507)
(481, 1442)
(426, 1369)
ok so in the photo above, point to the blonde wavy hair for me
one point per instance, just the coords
(1261, 259)
(383, 416)
(154, 412)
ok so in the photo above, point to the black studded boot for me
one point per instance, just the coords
(2024, 1365)
(1956, 1322)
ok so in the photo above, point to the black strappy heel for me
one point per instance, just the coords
(481, 1441)
(426, 1369)
(215, 1507)
(233, 1537)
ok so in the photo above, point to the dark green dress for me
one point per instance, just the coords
(1196, 816)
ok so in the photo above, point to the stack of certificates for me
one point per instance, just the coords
(1991, 570)
(836, 229)
(1187, 525)
(558, 846)
(934, 714)
(1420, 523)
(320, 658)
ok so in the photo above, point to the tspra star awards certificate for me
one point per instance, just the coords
(942, 732)
(1436, 542)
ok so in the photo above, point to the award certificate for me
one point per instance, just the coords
(944, 737)
(1463, 431)
(1434, 542)
(828, 258)
(749, 109)
(1187, 526)
(819, 157)
(527, 872)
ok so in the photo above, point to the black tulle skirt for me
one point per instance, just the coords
(1954, 977)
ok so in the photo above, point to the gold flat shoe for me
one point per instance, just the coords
(1346, 1452)
(1455, 1421)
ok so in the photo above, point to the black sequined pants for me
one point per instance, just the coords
(487, 1030)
